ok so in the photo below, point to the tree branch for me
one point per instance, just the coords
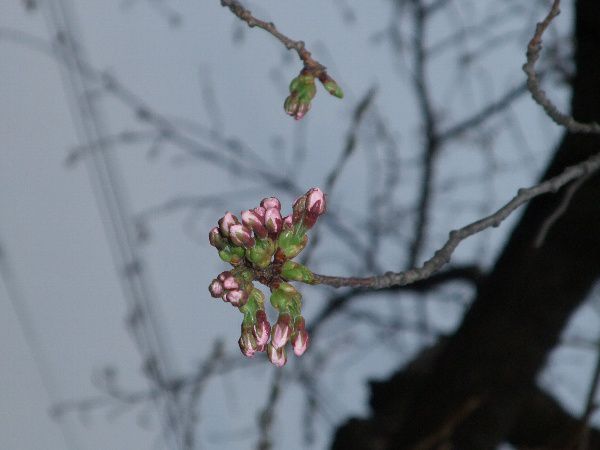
(443, 255)
(245, 15)
(533, 53)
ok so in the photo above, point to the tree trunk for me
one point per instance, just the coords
(485, 376)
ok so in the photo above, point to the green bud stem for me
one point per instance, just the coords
(292, 270)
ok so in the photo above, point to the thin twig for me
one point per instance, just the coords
(245, 15)
(560, 210)
(533, 53)
(443, 255)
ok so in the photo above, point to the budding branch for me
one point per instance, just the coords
(245, 15)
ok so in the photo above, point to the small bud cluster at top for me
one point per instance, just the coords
(261, 248)
(303, 90)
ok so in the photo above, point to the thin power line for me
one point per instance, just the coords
(33, 342)
(108, 188)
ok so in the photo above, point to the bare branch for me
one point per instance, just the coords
(443, 255)
(245, 15)
(533, 53)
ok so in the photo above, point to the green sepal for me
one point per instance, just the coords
(291, 243)
(333, 88)
(286, 299)
(256, 301)
(232, 254)
(292, 270)
(262, 252)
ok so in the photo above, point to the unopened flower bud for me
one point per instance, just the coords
(290, 244)
(230, 283)
(216, 288)
(287, 222)
(215, 238)
(226, 222)
(277, 356)
(232, 254)
(261, 253)
(224, 275)
(256, 223)
(237, 297)
(315, 201)
(270, 202)
(282, 330)
(247, 342)
(302, 91)
(241, 235)
(260, 212)
(292, 270)
(273, 220)
(262, 328)
(300, 338)
(332, 87)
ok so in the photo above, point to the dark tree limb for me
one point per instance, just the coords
(519, 312)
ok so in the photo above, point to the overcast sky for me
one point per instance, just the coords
(62, 308)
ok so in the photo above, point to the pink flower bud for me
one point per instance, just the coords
(230, 283)
(216, 288)
(226, 222)
(215, 238)
(270, 202)
(277, 355)
(247, 343)
(262, 328)
(287, 222)
(260, 212)
(300, 338)
(281, 331)
(237, 297)
(315, 201)
(256, 223)
(241, 235)
(273, 220)
(224, 275)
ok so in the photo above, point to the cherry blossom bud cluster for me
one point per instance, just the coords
(260, 247)
(232, 286)
(303, 90)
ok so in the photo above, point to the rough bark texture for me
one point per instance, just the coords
(480, 390)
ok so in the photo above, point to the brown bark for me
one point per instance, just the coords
(521, 308)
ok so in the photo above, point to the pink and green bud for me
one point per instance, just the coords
(216, 288)
(255, 222)
(247, 342)
(302, 91)
(287, 222)
(315, 201)
(285, 298)
(273, 220)
(226, 222)
(291, 244)
(270, 202)
(230, 283)
(215, 239)
(331, 86)
(262, 253)
(241, 235)
(232, 255)
(298, 209)
(282, 331)
(224, 275)
(237, 297)
(262, 328)
(292, 270)
(300, 338)
(260, 212)
(277, 356)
